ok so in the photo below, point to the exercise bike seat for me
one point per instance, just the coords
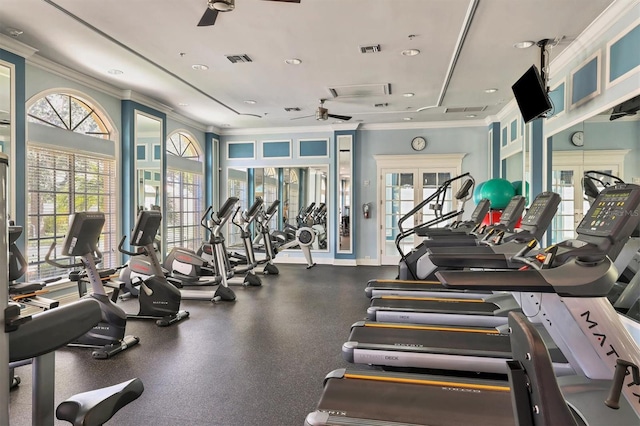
(96, 407)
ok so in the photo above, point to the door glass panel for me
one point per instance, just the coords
(563, 225)
(400, 200)
(430, 184)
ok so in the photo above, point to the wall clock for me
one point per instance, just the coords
(418, 143)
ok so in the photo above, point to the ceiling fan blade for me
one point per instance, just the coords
(209, 18)
(287, 1)
(304, 116)
(340, 117)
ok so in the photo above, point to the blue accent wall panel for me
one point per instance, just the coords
(141, 152)
(208, 169)
(19, 146)
(504, 137)
(317, 148)
(557, 99)
(624, 54)
(495, 145)
(514, 130)
(157, 152)
(585, 81)
(241, 150)
(276, 149)
(537, 143)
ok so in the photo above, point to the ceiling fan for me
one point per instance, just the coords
(322, 114)
(215, 6)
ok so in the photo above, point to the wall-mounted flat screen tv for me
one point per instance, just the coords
(531, 95)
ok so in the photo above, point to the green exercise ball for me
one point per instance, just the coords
(498, 191)
(517, 186)
(477, 193)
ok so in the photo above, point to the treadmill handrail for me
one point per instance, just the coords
(442, 188)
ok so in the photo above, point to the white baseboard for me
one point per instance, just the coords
(302, 260)
(368, 262)
(345, 262)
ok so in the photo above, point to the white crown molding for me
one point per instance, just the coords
(508, 111)
(68, 73)
(188, 121)
(590, 34)
(213, 129)
(345, 126)
(130, 95)
(16, 47)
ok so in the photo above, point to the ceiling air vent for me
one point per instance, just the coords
(381, 105)
(360, 90)
(234, 59)
(372, 48)
(465, 109)
(292, 109)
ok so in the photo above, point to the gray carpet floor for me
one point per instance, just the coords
(257, 361)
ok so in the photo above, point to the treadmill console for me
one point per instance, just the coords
(481, 210)
(614, 214)
(512, 212)
(83, 234)
(541, 212)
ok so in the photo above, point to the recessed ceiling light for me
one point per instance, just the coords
(338, 122)
(226, 125)
(199, 67)
(250, 102)
(523, 44)
(183, 104)
(408, 95)
(293, 61)
(407, 118)
(114, 71)
(410, 52)
(492, 90)
(470, 115)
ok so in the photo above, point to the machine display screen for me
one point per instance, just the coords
(541, 205)
(610, 212)
(146, 227)
(511, 209)
(84, 233)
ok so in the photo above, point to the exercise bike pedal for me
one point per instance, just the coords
(109, 351)
(172, 319)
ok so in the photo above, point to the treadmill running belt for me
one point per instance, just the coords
(417, 404)
(432, 341)
(451, 307)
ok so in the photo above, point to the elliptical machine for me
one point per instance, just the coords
(159, 300)
(262, 224)
(108, 336)
(244, 224)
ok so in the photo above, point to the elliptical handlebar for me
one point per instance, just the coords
(203, 219)
(47, 258)
(121, 248)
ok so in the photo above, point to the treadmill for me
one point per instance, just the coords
(438, 305)
(409, 267)
(573, 277)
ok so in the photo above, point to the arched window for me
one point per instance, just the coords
(69, 113)
(185, 193)
(67, 175)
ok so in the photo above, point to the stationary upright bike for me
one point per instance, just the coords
(159, 300)
(108, 336)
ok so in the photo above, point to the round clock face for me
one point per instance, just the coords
(419, 143)
(577, 138)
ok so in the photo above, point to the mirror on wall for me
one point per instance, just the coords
(149, 179)
(344, 192)
(296, 188)
(598, 143)
(5, 110)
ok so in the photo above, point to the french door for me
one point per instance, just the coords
(402, 189)
(566, 179)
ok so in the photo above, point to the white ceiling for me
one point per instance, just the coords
(156, 42)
